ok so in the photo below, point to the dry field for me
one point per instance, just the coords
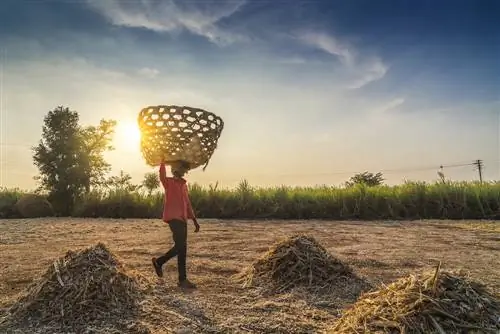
(378, 251)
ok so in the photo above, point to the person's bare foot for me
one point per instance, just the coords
(186, 284)
(158, 269)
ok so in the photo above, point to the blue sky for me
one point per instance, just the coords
(310, 91)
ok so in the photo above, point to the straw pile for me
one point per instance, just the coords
(80, 289)
(301, 262)
(430, 303)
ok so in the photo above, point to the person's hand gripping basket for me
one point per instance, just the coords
(178, 133)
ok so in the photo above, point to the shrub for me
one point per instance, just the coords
(33, 206)
(8, 200)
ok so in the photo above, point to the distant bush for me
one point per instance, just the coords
(34, 206)
(461, 200)
(8, 200)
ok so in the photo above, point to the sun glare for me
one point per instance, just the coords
(127, 135)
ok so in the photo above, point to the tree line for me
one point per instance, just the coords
(70, 160)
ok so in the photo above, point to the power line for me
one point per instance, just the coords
(386, 171)
(479, 165)
(426, 168)
(383, 171)
(455, 165)
(409, 169)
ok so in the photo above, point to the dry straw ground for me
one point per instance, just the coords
(432, 302)
(376, 251)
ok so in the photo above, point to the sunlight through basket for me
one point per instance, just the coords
(175, 133)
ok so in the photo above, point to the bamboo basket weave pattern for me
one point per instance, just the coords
(173, 133)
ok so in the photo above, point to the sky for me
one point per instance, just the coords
(311, 92)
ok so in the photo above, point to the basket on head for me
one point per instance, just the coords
(173, 133)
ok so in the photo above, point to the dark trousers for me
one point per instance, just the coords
(179, 234)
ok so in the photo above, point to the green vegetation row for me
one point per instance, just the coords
(450, 200)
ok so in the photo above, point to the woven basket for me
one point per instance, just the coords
(174, 133)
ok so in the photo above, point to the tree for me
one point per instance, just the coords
(70, 158)
(367, 179)
(57, 158)
(122, 182)
(151, 182)
(95, 141)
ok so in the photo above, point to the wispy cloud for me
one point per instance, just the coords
(363, 69)
(328, 44)
(392, 104)
(172, 16)
(292, 60)
(368, 72)
(149, 72)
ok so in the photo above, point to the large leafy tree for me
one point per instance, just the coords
(367, 179)
(70, 158)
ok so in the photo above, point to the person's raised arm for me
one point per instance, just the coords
(163, 175)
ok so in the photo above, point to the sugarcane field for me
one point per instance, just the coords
(249, 167)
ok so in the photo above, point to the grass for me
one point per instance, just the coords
(377, 251)
(453, 200)
(8, 199)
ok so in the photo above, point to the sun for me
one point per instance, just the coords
(127, 134)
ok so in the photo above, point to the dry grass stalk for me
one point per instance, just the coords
(434, 302)
(301, 262)
(81, 288)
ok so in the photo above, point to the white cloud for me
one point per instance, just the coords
(371, 71)
(172, 16)
(292, 61)
(328, 44)
(388, 106)
(149, 72)
(361, 69)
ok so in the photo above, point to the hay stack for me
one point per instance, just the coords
(34, 206)
(80, 289)
(429, 303)
(301, 262)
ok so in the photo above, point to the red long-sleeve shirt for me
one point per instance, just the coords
(177, 204)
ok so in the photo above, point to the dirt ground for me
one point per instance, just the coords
(378, 251)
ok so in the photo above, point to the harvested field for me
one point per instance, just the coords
(379, 252)
(299, 262)
(432, 302)
(87, 288)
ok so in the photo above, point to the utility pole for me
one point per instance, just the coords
(479, 165)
